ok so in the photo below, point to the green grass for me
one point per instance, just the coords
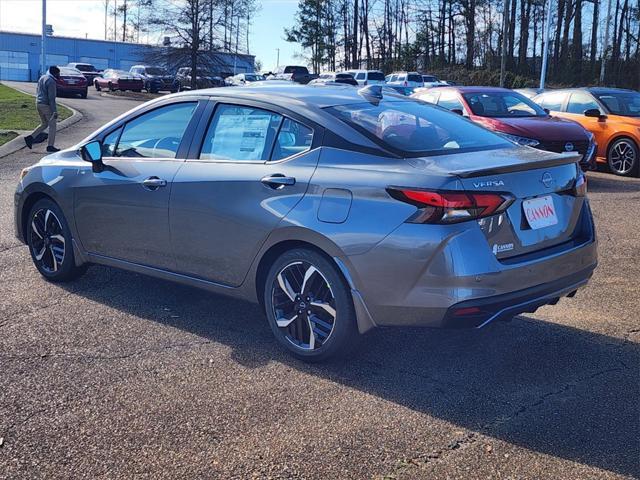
(6, 136)
(18, 110)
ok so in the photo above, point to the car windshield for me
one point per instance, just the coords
(414, 128)
(621, 103)
(253, 78)
(502, 104)
(155, 71)
(85, 68)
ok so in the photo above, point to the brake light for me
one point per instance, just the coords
(451, 206)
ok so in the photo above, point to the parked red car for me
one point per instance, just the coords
(517, 118)
(118, 80)
(71, 82)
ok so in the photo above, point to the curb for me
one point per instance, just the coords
(17, 143)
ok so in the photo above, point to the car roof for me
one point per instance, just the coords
(598, 90)
(293, 96)
(462, 89)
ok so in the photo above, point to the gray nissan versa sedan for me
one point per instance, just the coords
(336, 209)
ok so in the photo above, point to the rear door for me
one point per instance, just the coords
(123, 211)
(251, 168)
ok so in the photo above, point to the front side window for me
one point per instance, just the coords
(415, 128)
(293, 138)
(156, 134)
(502, 104)
(580, 102)
(109, 143)
(240, 133)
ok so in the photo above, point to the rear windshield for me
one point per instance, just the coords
(69, 71)
(85, 68)
(376, 76)
(291, 69)
(414, 78)
(156, 71)
(413, 128)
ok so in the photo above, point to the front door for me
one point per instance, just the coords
(122, 212)
(253, 168)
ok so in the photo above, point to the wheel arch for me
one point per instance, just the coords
(286, 241)
(29, 201)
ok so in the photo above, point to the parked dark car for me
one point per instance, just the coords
(155, 78)
(203, 79)
(294, 73)
(71, 82)
(332, 77)
(89, 71)
(516, 117)
(118, 80)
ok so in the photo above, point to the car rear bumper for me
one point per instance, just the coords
(423, 275)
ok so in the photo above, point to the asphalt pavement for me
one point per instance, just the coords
(118, 375)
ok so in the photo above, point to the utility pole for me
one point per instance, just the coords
(106, 14)
(545, 55)
(503, 60)
(605, 48)
(278, 59)
(43, 49)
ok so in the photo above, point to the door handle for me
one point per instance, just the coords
(278, 181)
(153, 183)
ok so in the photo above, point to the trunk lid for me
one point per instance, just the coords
(545, 211)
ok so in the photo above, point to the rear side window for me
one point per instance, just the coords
(292, 139)
(415, 78)
(239, 133)
(416, 129)
(579, 102)
(378, 76)
(360, 76)
(156, 134)
(552, 101)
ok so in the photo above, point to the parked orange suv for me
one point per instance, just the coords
(611, 114)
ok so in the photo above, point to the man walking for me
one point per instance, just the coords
(46, 106)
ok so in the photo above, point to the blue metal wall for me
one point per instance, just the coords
(20, 55)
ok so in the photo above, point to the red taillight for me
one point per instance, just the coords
(451, 206)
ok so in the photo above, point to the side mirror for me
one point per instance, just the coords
(92, 152)
(595, 113)
(547, 111)
(457, 111)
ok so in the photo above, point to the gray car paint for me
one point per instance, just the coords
(400, 273)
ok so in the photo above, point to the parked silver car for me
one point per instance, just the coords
(337, 209)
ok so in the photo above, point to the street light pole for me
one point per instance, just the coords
(278, 58)
(545, 54)
(43, 50)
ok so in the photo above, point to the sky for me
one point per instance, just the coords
(80, 18)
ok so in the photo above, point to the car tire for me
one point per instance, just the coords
(50, 243)
(84, 93)
(111, 89)
(623, 157)
(322, 303)
(97, 86)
